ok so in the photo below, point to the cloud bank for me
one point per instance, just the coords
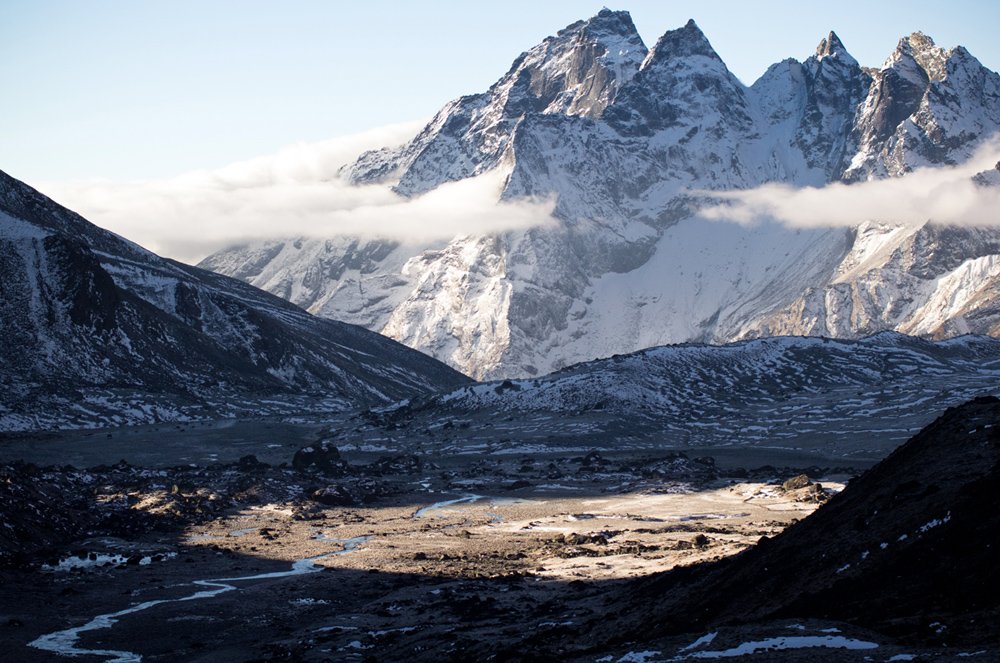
(294, 193)
(943, 194)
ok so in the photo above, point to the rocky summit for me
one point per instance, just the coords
(631, 143)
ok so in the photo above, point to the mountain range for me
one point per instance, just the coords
(631, 143)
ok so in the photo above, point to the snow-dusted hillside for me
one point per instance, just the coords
(631, 144)
(837, 397)
(98, 331)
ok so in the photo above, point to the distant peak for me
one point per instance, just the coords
(686, 41)
(921, 49)
(920, 42)
(615, 22)
(831, 47)
(603, 24)
(918, 45)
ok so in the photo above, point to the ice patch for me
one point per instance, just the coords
(787, 642)
(100, 560)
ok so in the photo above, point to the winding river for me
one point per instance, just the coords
(64, 642)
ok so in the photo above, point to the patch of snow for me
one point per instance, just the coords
(787, 642)
(701, 642)
(638, 656)
(934, 523)
(305, 602)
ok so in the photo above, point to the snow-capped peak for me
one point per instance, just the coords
(681, 43)
(929, 56)
(577, 72)
(683, 86)
(918, 59)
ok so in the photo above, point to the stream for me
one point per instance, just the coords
(64, 642)
(438, 506)
(470, 498)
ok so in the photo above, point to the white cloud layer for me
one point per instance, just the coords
(296, 192)
(943, 195)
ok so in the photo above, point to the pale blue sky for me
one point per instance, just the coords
(139, 89)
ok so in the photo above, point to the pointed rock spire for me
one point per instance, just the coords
(682, 83)
(920, 43)
(931, 57)
(831, 47)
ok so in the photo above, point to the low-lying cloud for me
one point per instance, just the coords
(942, 194)
(294, 193)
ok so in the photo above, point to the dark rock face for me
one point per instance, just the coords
(323, 457)
(835, 85)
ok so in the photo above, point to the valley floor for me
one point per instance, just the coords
(397, 557)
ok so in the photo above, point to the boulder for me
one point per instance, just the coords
(323, 457)
(797, 482)
(333, 495)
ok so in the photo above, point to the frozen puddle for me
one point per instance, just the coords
(104, 560)
(64, 642)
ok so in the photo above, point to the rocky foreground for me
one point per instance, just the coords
(593, 556)
(409, 552)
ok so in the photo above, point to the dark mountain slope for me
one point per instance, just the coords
(98, 330)
(909, 550)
